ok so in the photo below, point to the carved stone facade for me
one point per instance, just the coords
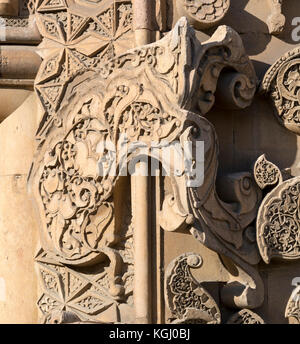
(104, 90)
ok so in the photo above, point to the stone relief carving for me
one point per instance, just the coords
(266, 173)
(246, 317)
(281, 82)
(73, 295)
(292, 311)
(75, 39)
(187, 300)
(17, 22)
(202, 13)
(96, 91)
(77, 218)
(278, 222)
(276, 19)
(213, 222)
(75, 203)
(19, 17)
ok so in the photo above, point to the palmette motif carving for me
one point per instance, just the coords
(188, 301)
(282, 84)
(266, 173)
(203, 13)
(278, 222)
(246, 317)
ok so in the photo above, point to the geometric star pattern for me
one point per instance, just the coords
(65, 289)
(76, 37)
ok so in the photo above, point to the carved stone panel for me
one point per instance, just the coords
(281, 82)
(118, 85)
(245, 317)
(188, 301)
(278, 222)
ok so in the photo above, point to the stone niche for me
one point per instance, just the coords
(92, 91)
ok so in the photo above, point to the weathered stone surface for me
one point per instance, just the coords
(18, 235)
(86, 245)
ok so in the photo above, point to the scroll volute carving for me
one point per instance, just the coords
(80, 155)
(223, 227)
(100, 108)
(223, 50)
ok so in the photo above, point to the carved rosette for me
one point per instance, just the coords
(245, 317)
(266, 173)
(278, 222)
(203, 13)
(187, 300)
(282, 84)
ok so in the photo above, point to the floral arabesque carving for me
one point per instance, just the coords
(74, 201)
(74, 198)
(282, 84)
(100, 108)
(245, 317)
(278, 222)
(266, 173)
(292, 310)
(187, 300)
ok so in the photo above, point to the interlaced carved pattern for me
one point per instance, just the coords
(282, 83)
(67, 290)
(278, 222)
(185, 294)
(76, 40)
(121, 98)
(246, 317)
(266, 173)
(292, 310)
